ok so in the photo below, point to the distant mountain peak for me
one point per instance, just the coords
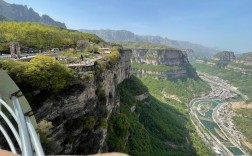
(125, 35)
(22, 13)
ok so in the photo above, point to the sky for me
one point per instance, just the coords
(223, 24)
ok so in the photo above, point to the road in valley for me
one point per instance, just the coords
(211, 116)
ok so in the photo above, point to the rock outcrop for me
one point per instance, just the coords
(161, 64)
(80, 113)
(159, 56)
(224, 56)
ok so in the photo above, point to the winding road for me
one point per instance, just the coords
(207, 114)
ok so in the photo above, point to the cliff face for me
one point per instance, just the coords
(158, 56)
(224, 56)
(79, 114)
(161, 64)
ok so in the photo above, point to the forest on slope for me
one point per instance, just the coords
(39, 36)
(159, 125)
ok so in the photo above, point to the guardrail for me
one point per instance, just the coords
(26, 136)
(17, 122)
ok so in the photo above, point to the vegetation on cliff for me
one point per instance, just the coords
(156, 127)
(39, 36)
(156, 68)
(42, 73)
(144, 45)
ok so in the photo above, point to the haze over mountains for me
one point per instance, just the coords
(22, 13)
(124, 35)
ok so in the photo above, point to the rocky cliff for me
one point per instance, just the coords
(161, 64)
(159, 57)
(79, 114)
(224, 56)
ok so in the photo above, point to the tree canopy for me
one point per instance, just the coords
(41, 73)
(39, 36)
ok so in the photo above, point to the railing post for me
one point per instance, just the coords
(23, 130)
(34, 138)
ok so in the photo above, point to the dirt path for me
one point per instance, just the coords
(240, 105)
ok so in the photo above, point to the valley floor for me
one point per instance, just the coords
(212, 117)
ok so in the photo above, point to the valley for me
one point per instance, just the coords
(211, 115)
(236, 72)
(147, 78)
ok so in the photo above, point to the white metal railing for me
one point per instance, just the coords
(26, 136)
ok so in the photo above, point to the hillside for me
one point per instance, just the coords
(124, 35)
(22, 13)
(39, 36)
(148, 126)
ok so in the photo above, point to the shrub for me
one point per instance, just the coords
(114, 55)
(41, 73)
(44, 127)
(103, 123)
(89, 122)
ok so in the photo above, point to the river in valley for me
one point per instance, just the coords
(210, 115)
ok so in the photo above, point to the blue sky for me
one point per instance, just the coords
(225, 24)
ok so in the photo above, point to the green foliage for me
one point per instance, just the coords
(155, 128)
(81, 45)
(134, 85)
(89, 122)
(41, 36)
(103, 123)
(144, 45)
(44, 127)
(243, 124)
(41, 73)
(184, 89)
(238, 79)
(242, 120)
(157, 68)
(106, 62)
(118, 129)
(114, 55)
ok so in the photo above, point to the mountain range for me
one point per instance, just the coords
(124, 35)
(22, 13)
